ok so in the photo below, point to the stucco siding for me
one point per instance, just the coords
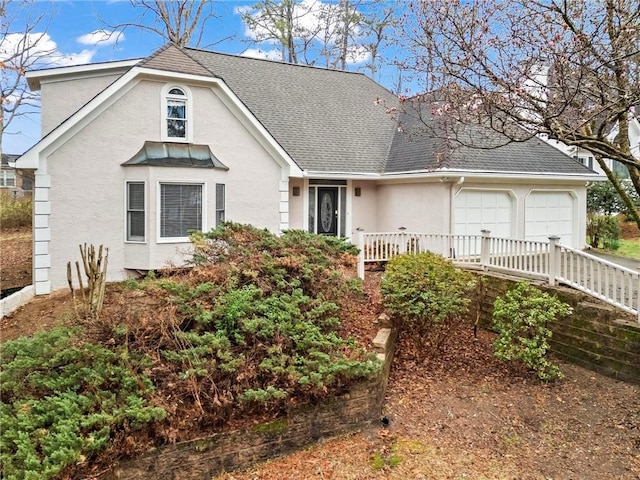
(418, 207)
(88, 180)
(62, 99)
(296, 204)
(365, 215)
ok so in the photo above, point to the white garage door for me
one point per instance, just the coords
(477, 210)
(547, 214)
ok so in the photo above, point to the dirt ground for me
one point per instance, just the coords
(15, 258)
(628, 230)
(466, 415)
(462, 415)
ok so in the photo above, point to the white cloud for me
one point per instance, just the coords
(100, 37)
(263, 54)
(38, 50)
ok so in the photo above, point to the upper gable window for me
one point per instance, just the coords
(176, 114)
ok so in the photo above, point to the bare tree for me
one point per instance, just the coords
(312, 32)
(182, 22)
(23, 45)
(567, 69)
(376, 27)
(293, 25)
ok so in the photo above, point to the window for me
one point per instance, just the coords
(176, 101)
(7, 178)
(180, 210)
(135, 212)
(220, 203)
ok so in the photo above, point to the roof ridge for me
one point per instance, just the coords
(277, 62)
(156, 53)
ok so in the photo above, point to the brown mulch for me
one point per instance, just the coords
(628, 230)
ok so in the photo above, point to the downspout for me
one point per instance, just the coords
(452, 194)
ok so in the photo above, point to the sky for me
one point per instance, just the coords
(78, 32)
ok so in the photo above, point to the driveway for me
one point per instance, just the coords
(631, 263)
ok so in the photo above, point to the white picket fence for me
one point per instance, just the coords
(550, 261)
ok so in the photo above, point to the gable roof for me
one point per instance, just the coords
(323, 121)
(326, 120)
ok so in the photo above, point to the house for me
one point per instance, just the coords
(136, 153)
(587, 159)
(12, 180)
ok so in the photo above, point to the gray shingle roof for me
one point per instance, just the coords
(428, 142)
(326, 120)
(335, 121)
(8, 157)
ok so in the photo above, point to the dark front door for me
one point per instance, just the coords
(327, 213)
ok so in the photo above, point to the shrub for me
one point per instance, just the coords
(602, 229)
(258, 319)
(63, 401)
(15, 212)
(520, 320)
(426, 294)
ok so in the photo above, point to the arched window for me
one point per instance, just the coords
(176, 114)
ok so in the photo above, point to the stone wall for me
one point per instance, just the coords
(358, 408)
(596, 336)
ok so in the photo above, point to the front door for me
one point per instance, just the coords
(327, 211)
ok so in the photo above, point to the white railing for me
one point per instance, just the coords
(599, 278)
(549, 261)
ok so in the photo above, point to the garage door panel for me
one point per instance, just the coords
(478, 210)
(547, 214)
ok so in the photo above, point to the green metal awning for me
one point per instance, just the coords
(168, 154)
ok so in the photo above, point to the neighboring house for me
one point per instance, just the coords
(587, 159)
(135, 154)
(11, 179)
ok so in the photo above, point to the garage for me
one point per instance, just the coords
(477, 210)
(549, 213)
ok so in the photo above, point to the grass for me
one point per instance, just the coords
(629, 248)
(15, 212)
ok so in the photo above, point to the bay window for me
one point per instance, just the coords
(180, 210)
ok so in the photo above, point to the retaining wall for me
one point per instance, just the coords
(596, 336)
(358, 408)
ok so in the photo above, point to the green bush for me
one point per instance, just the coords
(603, 229)
(62, 401)
(268, 327)
(426, 294)
(15, 212)
(520, 320)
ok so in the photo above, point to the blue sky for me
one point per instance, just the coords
(74, 34)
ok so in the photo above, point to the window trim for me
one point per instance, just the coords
(166, 96)
(127, 210)
(222, 209)
(4, 173)
(203, 222)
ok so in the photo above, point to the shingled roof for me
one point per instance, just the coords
(424, 142)
(326, 120)
(331, 121)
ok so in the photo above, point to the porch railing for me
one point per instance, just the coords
(549, 261)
